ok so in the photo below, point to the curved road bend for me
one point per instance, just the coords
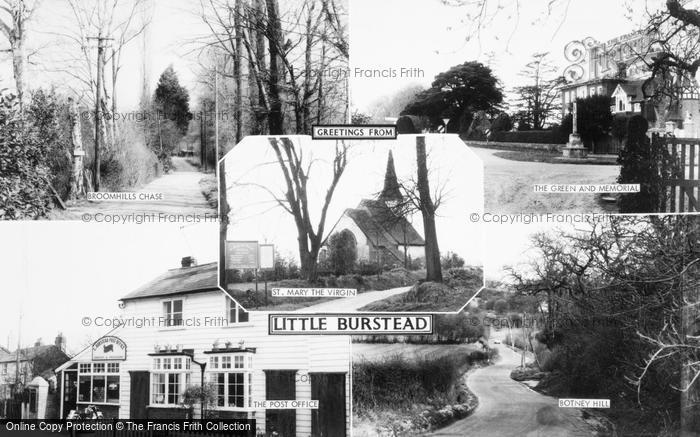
(508, 408)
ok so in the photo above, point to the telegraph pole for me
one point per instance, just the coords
(98, 98)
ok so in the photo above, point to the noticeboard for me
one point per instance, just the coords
(267, 256)
(241, 255)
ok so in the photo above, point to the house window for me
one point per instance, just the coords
(232, 377)
(3, 369)
(98, 383)
(32, 400)
(172, 312)
(235, 312)
(169, 379)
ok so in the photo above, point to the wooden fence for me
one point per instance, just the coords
(683, 166)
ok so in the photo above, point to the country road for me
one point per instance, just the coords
(182, 194)
(352, 303)
(509, 408)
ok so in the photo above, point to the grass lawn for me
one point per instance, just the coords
(552, 157)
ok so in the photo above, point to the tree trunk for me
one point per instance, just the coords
(238, 100)
(274, 35)
(19, 62)
(432, 251)
(223, 225)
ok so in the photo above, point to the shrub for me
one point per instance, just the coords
(639, 162)
(502, 123)
(500, 306)
(24, 185)
(369, 268)
(342, 252)
(451, 260)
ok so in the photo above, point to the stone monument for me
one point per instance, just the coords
(575, 148)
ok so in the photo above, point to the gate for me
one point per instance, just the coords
(682, 188)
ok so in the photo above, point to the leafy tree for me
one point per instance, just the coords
(538, 101)
(500, 306)
(172, 100)
(24, 185)
(360, 118)
(342, 252)
(502, 123)
(451, 261)
(467, 87)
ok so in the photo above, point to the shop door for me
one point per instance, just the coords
(280, 385)
(329, 419)
(138, 389)
(70, 391)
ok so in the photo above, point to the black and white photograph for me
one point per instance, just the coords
(351, 225)
(111, 108)
(144, 332)
(606, 312)
(573, 106)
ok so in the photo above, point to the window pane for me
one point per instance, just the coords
(236, 386)
(177, 306)
(231, 305)
(226, 362)
(84, 368)
(98, 389)
(166, 363)
(84, 389)
(113, 367)
(98, 368)
(173, 388)
(239, 362)
(113, 389)
(242, 315)
(214, 362)
(220, 387)
(177, 363)
(158, 388)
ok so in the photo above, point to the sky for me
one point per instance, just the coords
(429, 35)
(55, 273)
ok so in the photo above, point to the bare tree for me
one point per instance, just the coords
(13, 26)
(296, 170)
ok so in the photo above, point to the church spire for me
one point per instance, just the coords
(391, 189)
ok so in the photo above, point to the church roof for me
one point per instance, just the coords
(398, 228)
(391, 190)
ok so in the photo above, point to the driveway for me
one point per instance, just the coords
(350, 304)
(508, 408)
(181, 195)
(508, 184)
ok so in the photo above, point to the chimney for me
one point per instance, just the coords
(188, 261)
(37, 343)
(60, 342)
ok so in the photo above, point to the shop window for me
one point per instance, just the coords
(98, 383)
(172, 312)
(169, 379)
(235, 312)
(232, 377)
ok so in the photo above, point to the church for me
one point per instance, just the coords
(381, 235)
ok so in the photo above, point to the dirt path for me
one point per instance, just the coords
(350, 304)
(508, 408)
(508, 184)
(181, 195)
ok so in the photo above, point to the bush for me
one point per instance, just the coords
(451, 260)
(502, 123)
(342, 252)
(639, 162)
(24, 183)
(500, 306)
(369, 268)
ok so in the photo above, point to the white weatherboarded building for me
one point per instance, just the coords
(180, 326)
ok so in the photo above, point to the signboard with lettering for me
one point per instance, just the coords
(109, 348)
(267, 256)
(241, 255)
